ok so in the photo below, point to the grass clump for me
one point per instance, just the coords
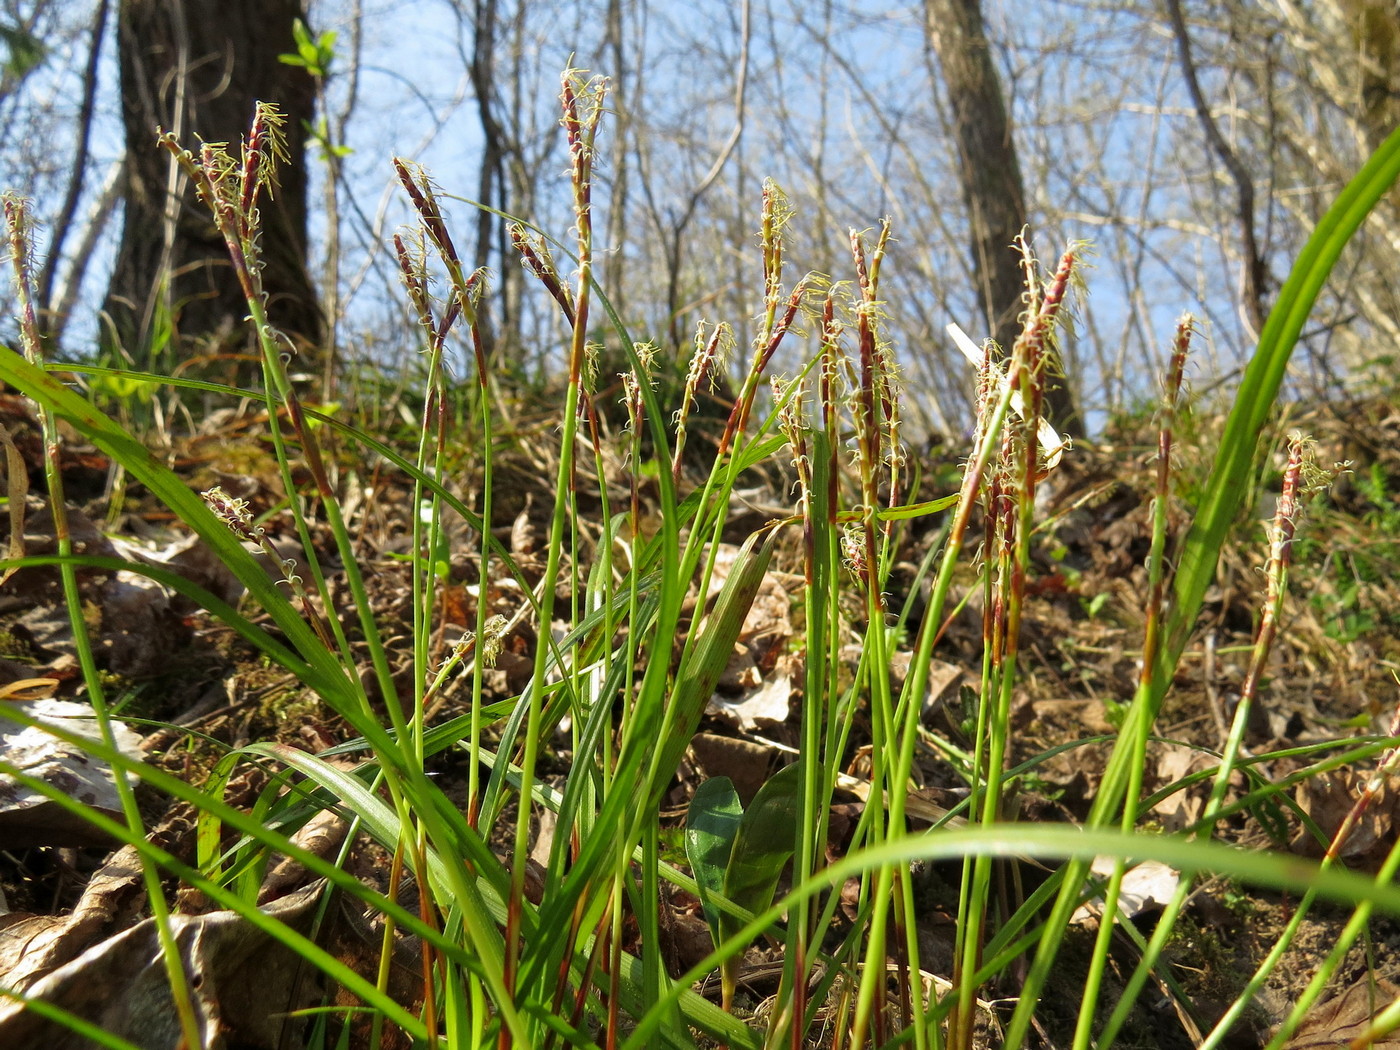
(628, 618)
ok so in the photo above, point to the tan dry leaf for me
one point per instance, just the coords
(1347, 1017)
(1175, 762)
(1330, 798)
(32, 946)
(525, 540)
(31, 818)
(321, 836)
(744, 762)
(941, 675)
(1145, 886)
(245, 984)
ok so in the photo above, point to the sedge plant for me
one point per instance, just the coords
(578, 957)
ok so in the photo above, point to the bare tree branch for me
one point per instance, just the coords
(1255, 269)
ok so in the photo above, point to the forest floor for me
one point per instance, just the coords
(189, 688)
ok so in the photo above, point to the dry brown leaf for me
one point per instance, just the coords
(941, 676)
(1175, 762)
(744, 762)
(1145, 886)
(1329, 799)
(243, 985)
(32, 946)
(1347, 1017)
(189, 556)
(321, 836)
(765, 705)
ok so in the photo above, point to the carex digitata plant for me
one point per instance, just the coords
(634, 629)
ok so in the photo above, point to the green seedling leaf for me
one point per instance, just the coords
(301, 35)
(764, 844)
(121, 388)
(711, 825)
(315, 56)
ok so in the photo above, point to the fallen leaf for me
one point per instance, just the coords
(32, 946)
(1182, 808)
(243, 985)
(768, 704)
(744, 762)
(27, 816)
(1330, 799)
(1347, 1017)
(1146, 886)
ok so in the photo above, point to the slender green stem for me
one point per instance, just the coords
(17, 228)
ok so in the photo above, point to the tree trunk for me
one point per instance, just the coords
(196, 67)
(991, 179)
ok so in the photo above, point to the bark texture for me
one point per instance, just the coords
(991, 178)
(197, 67)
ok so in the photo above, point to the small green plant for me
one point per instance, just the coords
(1350, 593)
(15, 648)
(737, 855)
(1344, 615)
(1385, 509)
(1094, 606)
